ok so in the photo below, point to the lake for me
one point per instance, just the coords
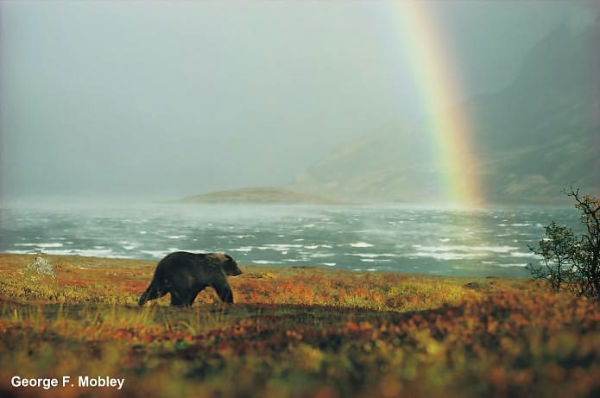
(491, 242)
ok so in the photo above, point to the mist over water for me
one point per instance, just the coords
(154, 100)
(360, 238)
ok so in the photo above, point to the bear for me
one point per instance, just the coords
(185, 274)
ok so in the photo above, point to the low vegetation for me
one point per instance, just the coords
(296, 332)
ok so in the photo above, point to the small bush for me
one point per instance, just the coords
(569, 261)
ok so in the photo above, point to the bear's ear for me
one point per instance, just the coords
(228, 257)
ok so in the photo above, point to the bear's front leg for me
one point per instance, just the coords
(223, 290)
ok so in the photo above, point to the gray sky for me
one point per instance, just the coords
(178, 98)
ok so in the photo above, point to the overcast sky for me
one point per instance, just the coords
(177, 98)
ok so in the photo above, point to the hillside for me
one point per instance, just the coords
(537, 136)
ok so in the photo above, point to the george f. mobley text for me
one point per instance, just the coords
(66, 382)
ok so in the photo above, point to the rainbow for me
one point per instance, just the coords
(439, 92)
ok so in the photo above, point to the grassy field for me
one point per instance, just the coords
(294, 332)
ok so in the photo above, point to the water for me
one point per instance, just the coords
(397, 239)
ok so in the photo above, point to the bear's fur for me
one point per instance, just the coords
(184, 275)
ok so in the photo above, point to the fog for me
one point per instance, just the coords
(176, 98)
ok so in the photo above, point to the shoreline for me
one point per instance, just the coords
(154, 261)
(123, 280)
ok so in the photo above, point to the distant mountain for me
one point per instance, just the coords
(536, 137)
(263, 195)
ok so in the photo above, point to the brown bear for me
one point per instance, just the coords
(185, 274)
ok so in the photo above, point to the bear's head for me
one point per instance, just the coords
(228, 264)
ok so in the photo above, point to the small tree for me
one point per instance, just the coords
(570, 261)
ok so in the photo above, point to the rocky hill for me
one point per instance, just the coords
(266, 195)
(536, 137)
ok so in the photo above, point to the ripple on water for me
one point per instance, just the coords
(361, 244)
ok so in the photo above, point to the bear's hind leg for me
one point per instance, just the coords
(153, 292)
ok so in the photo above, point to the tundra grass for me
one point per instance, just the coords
(295, 332)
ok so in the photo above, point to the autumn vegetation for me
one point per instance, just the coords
(296, 332)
